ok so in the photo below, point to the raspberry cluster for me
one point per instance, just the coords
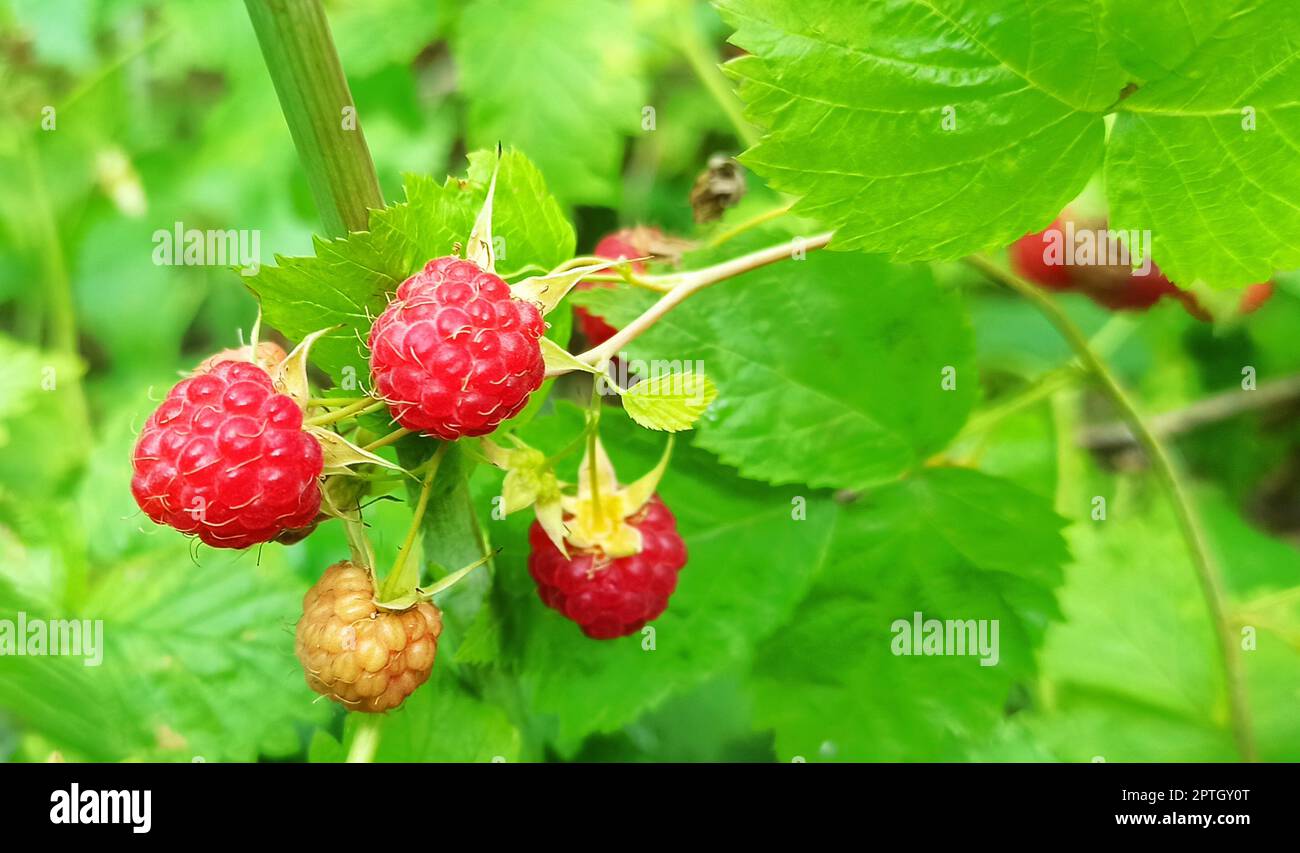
(454, 354)
(611, 598)
(358, 654)
(225, 458)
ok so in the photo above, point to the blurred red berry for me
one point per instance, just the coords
(619, 245)
(1028, 257)
(1254, 296)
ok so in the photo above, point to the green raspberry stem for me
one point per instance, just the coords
(398, 582)
(365, 742)
(317, 105)
(355, 410)
(1162, 462)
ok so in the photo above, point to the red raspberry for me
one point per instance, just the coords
(361, 656)
(1122, 289)
(225, 458)
(455, 354)
(1028, 258)
(611, 598)
(616, 246)
(1254, 296)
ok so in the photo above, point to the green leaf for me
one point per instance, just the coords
(949, 544)
(1001, 106)
(560, 80)
(197, 663)
(1001, 130)
(372, 34)
(671, 402)
(1205, 157)
(829, 369)
(28, 373)
(350, 280)
(442, 721)
(749, 562)
(1135, 672)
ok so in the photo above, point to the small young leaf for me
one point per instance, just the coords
(671, 403)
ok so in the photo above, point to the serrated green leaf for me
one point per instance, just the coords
(949, 544)
(560, 80)
(350, 280)
(671, 403)
(197, 662)
(830, 370)
(1205, 157)
(1000, 132)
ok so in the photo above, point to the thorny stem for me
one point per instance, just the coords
(1194, 535)
(680, 286)
(317, 105)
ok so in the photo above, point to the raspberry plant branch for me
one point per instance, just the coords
(317, 104)
(334, 402)
(1189, 522)
(1212, 409)
(678, 287)
(304, 66)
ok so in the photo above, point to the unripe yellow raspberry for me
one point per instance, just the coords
(360, 655)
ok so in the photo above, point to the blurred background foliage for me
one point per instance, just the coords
(164, 113)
